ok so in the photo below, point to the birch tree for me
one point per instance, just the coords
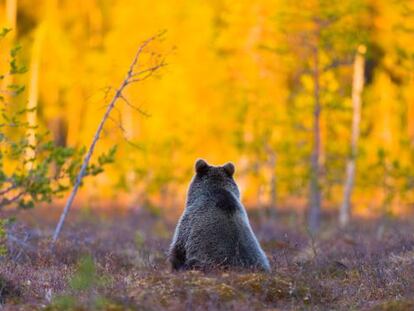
(134, 74)
(320, 40)
(357, 88)
(315, 162)
(33, 94)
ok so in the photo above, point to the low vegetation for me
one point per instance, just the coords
(115, 261)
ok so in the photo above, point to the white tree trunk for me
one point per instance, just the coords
(315, 189)
(11, 9)
(273, 182)
(11, 12)
(357, 88)
(33, 94)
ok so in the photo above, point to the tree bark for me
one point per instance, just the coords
(33, 94)
(357, 88)
(11, 13)
(315, 191)
(11, 9)
(273, 181)
(271, 178)
(128, 126)
(410, 109)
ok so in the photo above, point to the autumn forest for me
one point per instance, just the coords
(110, 103)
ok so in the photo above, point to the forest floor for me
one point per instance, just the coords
(117, 261)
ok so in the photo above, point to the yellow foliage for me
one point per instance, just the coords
(238, 87)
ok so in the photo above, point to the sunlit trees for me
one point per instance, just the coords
(264, 84)
(44, 173)
(321, 34)
(255, 95)
(357, 88)
(136, 73)
(385, 157)
(33, 96)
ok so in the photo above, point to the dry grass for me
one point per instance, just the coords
(117, 262)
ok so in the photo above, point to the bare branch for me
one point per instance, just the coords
(106, 91)
(118, 94)
(123, 130)
(337, 63)
(120, 127)
(145, 74)
(151, 69)
(141, 49)
(21, 242)
(126, 101)
(7, 201)
(12, 186)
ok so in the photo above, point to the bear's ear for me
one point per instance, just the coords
(229, 169)
(201, 167)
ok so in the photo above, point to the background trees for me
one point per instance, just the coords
(33, 169)
(267, 85)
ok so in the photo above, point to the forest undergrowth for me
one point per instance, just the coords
(117, 261)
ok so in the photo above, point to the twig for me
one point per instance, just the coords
(107, 90)
(148, 72)
(118, 94)
(124, 133)
(120, 127)
(7, 201)
(3, 192)
(22, 245)
(313, 244)
(134, 107)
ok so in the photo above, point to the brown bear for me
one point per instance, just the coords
(214, 230)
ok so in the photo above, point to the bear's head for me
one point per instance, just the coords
(209, 178)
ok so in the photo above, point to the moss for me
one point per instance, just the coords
(395, 305)
(274, 289)
(226, 292)
(271, 288)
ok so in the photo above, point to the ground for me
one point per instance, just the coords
(117, 261)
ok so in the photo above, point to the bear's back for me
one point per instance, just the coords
(220, 233)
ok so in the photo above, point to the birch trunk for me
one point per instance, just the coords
(273, 182)
(11, 12)
(11, 9)
(315, 191)
(33, 95)
(357, 88)
(128, 126)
